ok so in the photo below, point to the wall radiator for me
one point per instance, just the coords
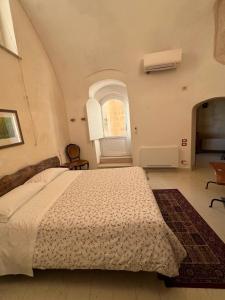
(159, 157)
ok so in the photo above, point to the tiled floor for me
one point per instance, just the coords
(126, 285)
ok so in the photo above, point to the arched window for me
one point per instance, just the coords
(109, 119)
(7, 34)
(108, 110)
(114, 118)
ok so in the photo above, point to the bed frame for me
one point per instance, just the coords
(9, 182)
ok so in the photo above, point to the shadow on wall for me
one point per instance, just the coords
(208, 127)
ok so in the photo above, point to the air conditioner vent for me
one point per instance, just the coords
(160, 61)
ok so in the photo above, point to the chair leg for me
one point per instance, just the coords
(211, 204)
(207, 184)
(220, 200)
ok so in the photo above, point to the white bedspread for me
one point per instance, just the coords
(18, 235)
(98, 219)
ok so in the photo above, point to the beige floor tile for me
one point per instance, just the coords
(198, 294)
(148, 286)
(217, 294)
(124, 284)
(173, 294)
(102, 285)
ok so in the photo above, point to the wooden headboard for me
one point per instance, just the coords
(9, 182)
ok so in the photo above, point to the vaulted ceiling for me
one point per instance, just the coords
(84, 36)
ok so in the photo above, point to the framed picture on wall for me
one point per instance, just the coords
(10, 131)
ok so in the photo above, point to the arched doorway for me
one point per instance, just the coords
(208, 132)
(109, 119)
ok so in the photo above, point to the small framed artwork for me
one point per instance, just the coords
(10, 131)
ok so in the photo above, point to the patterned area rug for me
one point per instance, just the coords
(204, 267)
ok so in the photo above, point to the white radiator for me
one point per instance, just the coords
(159, 157)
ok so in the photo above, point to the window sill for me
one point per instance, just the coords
(116, 137)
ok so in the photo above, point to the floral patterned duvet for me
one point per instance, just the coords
(107, 219)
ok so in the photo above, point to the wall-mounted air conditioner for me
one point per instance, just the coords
(164, 60)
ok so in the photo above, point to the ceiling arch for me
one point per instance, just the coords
(84, 36)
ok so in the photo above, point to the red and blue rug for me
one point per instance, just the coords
(204, 266)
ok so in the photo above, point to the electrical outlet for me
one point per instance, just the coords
(184, 142)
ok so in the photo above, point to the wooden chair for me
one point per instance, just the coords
(219, 168)
(73, 153)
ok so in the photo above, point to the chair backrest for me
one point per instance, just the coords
(73, 152)
(219, 168)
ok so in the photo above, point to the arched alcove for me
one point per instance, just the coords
(109, 118)
(103, 87)
(208, 129)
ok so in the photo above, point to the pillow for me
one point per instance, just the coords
(13, 200)
(47, 175)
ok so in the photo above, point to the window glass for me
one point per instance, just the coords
(7, 35)
(114, 118)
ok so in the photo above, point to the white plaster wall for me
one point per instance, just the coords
(94, 40)
(31, 80)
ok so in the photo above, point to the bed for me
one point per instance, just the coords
(98, 219)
